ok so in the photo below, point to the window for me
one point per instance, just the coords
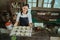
(40, 2)
(57, 4)
(47, 3)
(32, 3)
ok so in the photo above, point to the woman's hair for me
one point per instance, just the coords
(23, 6)
(26, 5)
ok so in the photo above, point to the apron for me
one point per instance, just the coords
(23, 21)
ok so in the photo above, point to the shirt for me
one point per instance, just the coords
(24, 15)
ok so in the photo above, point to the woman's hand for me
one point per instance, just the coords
(30, 24)
(15, 24)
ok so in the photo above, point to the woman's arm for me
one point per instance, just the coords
(30, 19)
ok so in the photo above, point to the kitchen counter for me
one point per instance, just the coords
(40, 35)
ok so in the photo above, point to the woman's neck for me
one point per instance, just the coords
(24, 12)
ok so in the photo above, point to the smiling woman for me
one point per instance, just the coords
(24, 17)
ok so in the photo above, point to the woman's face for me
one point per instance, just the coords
(25, 9)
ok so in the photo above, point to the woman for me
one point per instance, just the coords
(24, 17)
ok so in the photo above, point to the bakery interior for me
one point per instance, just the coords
(45, 18)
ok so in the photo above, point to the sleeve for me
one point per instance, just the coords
(29, 17)
(18, 16)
